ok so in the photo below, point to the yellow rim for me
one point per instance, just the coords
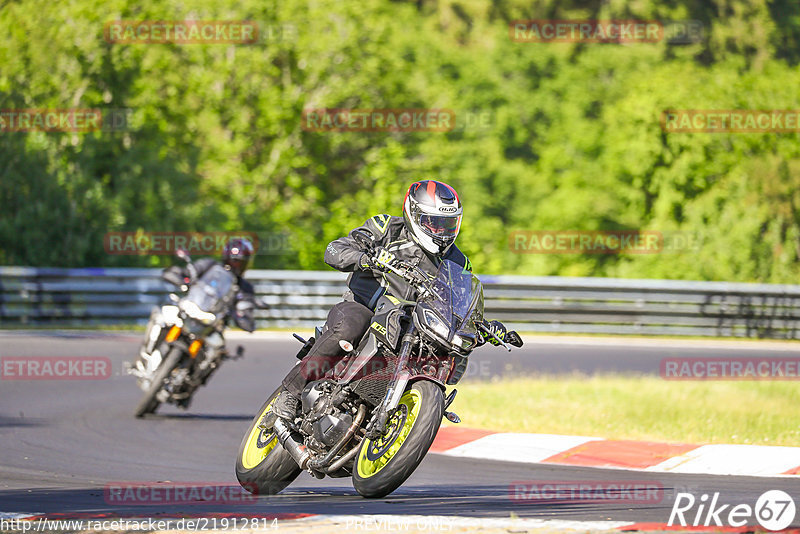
(403, 421)
(259, 443)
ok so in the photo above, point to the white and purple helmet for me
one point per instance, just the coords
(432, 212)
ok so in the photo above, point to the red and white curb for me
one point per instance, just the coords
(748, 460)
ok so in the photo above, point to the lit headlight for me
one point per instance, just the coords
(193, 310)
(432, 320)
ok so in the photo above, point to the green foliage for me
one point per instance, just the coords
(216, 139)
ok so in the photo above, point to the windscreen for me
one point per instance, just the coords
(459, 297)
(211, 291)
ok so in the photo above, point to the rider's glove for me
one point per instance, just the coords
(385, 259)
(498, 329)
(366, 263)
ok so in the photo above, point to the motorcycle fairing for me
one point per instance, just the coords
(214, 290)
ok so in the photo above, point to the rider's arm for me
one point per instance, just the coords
(244, 308)
(179, 275)
(345, 254)
(175, 275)
(203, 264)
(459, 258)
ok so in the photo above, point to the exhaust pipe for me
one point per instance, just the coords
(296, 450)
(321, 464)
(338, 464)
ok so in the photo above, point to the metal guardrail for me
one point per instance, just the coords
(301, 299)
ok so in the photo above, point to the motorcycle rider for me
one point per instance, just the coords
(236, 257)
(424, 236)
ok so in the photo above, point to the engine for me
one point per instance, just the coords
(326, 416)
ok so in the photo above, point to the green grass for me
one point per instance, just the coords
(636, 407)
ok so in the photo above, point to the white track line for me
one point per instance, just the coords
(433, 523)
(527, 448)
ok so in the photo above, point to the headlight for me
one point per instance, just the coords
(465, 343)
(438, 326)
(193, 310)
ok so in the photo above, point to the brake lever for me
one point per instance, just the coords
(482, 326)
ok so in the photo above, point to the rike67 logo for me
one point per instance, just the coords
(774, 510)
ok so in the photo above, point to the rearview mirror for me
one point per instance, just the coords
(182, 254)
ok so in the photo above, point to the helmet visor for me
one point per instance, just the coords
(440, 225)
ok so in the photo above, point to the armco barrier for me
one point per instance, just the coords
(300, 299)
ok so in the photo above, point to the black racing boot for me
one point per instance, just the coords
(285, 406)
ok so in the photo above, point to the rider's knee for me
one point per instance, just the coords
(350, 320)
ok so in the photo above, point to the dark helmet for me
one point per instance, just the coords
(236, 255)
(432, 213)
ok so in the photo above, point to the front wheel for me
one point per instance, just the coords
(263, 466)
(150, 402)
(383, 464)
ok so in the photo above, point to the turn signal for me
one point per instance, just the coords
(194, 347)
(173, 334)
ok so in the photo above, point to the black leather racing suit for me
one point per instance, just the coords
(350, 319)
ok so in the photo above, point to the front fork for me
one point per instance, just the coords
(397, 386)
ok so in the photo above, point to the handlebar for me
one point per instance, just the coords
(408, 272)
(414, 276)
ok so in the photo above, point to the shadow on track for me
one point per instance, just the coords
(201, 416)
(475, 501)
(12, 421)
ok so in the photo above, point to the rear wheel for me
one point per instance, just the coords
(382, 465)
(150, 402)
(263, 466)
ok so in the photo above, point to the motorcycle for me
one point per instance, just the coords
(183, 343)
(375, 414)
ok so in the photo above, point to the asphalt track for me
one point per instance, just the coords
(62, 442)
